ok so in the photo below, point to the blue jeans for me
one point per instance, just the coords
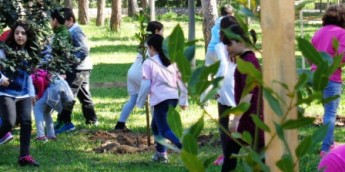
(42, 113)
(160, 124)
(330, 108)
(128, 107)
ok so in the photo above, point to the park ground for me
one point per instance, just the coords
(91, 148)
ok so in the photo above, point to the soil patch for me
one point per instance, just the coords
(339, 122)
(120, 142)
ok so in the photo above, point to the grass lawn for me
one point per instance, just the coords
(112, 55)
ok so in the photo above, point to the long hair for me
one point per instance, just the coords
(156, 41)
(31, 45)
(225, 23)
(152, 26)
(238, 30)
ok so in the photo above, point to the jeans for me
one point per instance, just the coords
(330, 108)
(128, 107)
(79, 83)
(160, 125)
(10, 109)
(42, 113)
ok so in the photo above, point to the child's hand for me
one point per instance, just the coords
(33, 99)
(5, 82)
(183, 107)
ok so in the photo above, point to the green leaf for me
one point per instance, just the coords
(302, 80)
(320, 79)
(184, 68)
(189, 53)
(272, 101)
(286, 163)
(191, 162)
(304, 147)
(209, 161)
(258, 159)
(196, 128)
(297, 123)
(280, 131)
(247, 12)
(319, 134)
(308, 51)
(248, 68)
(238, 110)
(236, 135)
(174, 121)
(190, 144)
(260, 124)
(247, 137)
(176, 43)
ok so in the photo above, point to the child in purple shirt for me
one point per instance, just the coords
(243, 122)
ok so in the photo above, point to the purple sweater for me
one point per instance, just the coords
(246, 122)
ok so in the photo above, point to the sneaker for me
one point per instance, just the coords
(160, 157)
(43, 138)
(65, 128)
(8, 137)
(51, 138)
(219, 161)
(121, 126)
(58, 125)
(27, 160)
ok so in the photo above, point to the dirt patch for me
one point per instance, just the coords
(119, 142)
(339, 122)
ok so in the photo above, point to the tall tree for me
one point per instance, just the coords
(115, 19)
(132, 8)
(152, 10)
(209, 8)
(83, 11)
(191, 24)
(68, 4)
(100, 12)
(144, 4)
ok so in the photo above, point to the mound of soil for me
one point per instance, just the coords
(120, 142)
(339, 122)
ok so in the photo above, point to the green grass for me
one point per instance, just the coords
(112, 54)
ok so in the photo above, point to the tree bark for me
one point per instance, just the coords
(209, 8)
(144, 4)
(100, 12)
(152, 10)
(132, 8)
(68, 4)
(83, 12)
(115, 19)
(191, 25)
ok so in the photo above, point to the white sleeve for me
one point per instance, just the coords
(144, 91)
(183, 101)
(223, 57)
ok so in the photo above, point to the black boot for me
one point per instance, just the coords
(121, 126)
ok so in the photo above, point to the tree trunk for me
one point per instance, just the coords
(144, 4)
(191, 25)
(100, 12)
(209, 8)
(152, 10)
(68, 4)
(132, 8)
(83, 14)
(115, 19)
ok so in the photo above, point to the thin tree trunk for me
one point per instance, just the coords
(152, 10)
(144, 4)
(68, 4)
(191, 25)
(209, 8)
(100, 12)
(83, 6)
(132, 8)
(115, 19)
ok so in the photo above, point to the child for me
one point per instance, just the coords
(134, 79)
(333, 24)
(79, 77)
(334, 160)
(225, 96)
(243, 122)
(161, 79)
(53, 94)
(17, 93)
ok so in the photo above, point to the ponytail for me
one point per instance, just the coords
(156, 41)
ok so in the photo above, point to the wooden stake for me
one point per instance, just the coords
(147, 110)
(278, 43)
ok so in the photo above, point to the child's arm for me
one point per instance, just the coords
(144, 91)
(236, 120)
